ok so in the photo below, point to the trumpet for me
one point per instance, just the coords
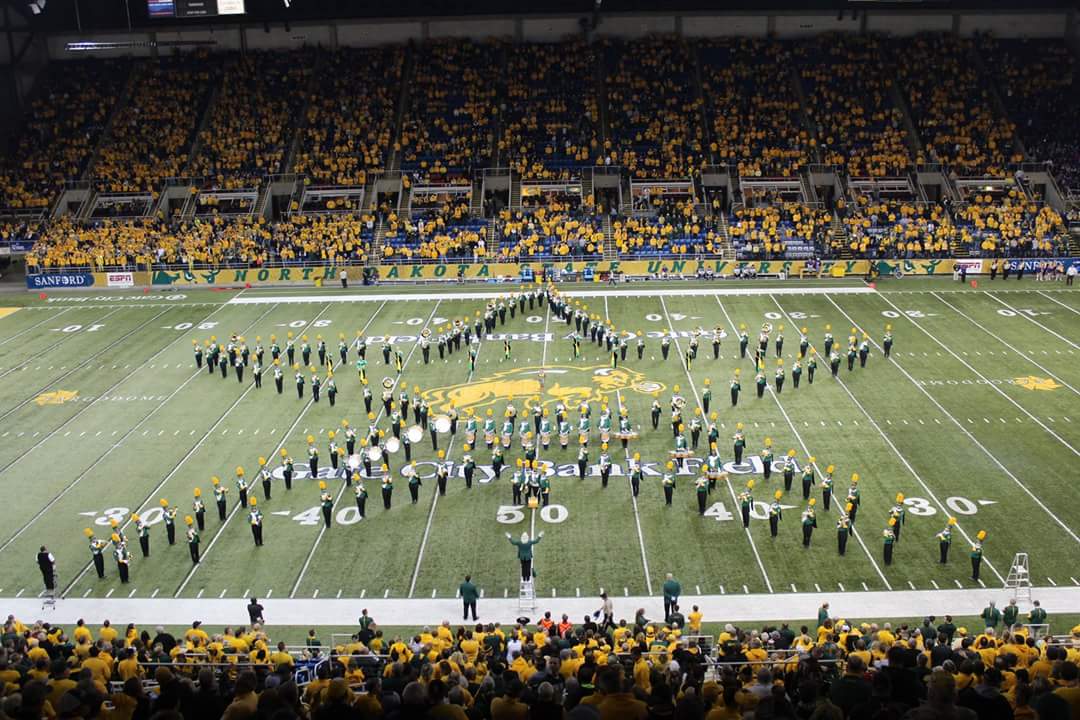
(393, 445)
(415, 433)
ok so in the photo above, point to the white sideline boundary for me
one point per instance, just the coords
(732, 607)
(641, 292)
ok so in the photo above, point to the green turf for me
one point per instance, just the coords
(162, 429)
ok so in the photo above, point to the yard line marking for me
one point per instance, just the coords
(746, 591)
(339, 592)
(958, 583)
(316, 593)
(25, 364)
(108, 594)
(22, 590)
(82, 364)
(896, 451)
(386, 593)
(363, 593)
(793, 589)
(633, 499)
(841, 586)
(284, 439)
(1032, 320)
(1051, 581)
(132, 593)
(17, 335)
(981, 583)
(722, 590)
(911, 584)
(1012, 347)
(995, 388)
(934, 583)
(1074, 581)
(1067, 307)
(154, 594)
(697, 396)
(109, 450)
(802, 443)
(697, 589)
(864, 586)
(971, 437)
(87, 593)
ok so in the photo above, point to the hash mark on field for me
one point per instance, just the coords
(934, 583)
(625, 592)
(481, 593)
(722, 590)
(911, 584)
(1051, 581)
(958, 583)
(339, 592)
(386, 593)
(154, 594)
(841, 586)
(577, 592)
(363, 592)
(817, 587)
(132, 593)
(864, 586)
(108, 594)
(87, 593)
(434, 592)
(552, 592)
(745, 590)
(505, 592)
(982, 584)
(793, 588)
(315, 594)
(1074, 581)
(697, 589)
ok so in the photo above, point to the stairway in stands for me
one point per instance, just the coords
(611, 252)
(838, 237)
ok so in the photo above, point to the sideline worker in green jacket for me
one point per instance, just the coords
(469, 596)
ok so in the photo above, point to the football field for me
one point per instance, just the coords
(976, 416)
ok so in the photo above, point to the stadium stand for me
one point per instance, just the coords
(1011, 227)
(752, 111)
(894, 229)
(1037, 79)
(350, 116)
(449, 128)
(550, 117)
(553, 668)
(151, 138)
(442, 233)
(653, 109)
(778, 230)
(952, 106)
(552, 231)
(63, 125)
(847, 91)
(251, 125)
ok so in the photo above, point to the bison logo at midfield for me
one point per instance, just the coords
(562, 383)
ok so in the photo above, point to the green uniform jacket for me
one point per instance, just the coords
(672, 589)
(468, 592)
(524, 549)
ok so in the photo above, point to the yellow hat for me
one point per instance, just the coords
(88, 532)
(737, 372)
(888, 327)
(708, 381)
(899, 497)
(738, 426)
(830, 469)
(892, 521)
(239, 470)
(214, 480)
(345, 423)
(134, 518)
(310, 439)
(813, 502)
(322, 484)
(637, 456)
(778, 494)
(198, 492)
(189, 520)
(828, 327)
(113, 522)
(253, 502)
(812, 459)
(779, 362)
(981, 535)
(331, 434)
(466, 447)
(849, 507)
(115, 538)
(854, 477)
(768, 442)
(952, 521)
(676, 388)
(262, 460)
(442, 454)
(670, 465)
(749, 484)
(164, 502)
(791, 453)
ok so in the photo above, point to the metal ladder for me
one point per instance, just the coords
(1019, 579)
(526, 596)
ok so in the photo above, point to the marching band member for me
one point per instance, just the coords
(789, 470)
(701, 486)
(976, 555)
(386, 483)
(469, 466)
(169, 516)
(809, 522)
(808, 477)
(219, 497)
(945, 541)
(767, 460)
(655, 410)
(744, 341)
(804, 343)
(326, 502)
(739, 439)
(517, 483)
(811, 367)
(746, 503)
(886, 342)
(889, 537)
(265, 477)
(864, 350)
(414, 483)
(853, 499)
(668, 483)
(192, 540)
(605, 465)
(313, 457)
(199, 508)
(778, 377)
(827, 487)
(582, 458)
(255, 520)
(97, 550)
(695, 429)
(545, 430)
(442, 473)
(828, 341)
(775, 514)
(779, 343)
(897, 513)
(735, 388)
(361, 494)
(123, 558)
(241, 486)
(796, 373)
(142, 529)
(843, 530)
(287, 468)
